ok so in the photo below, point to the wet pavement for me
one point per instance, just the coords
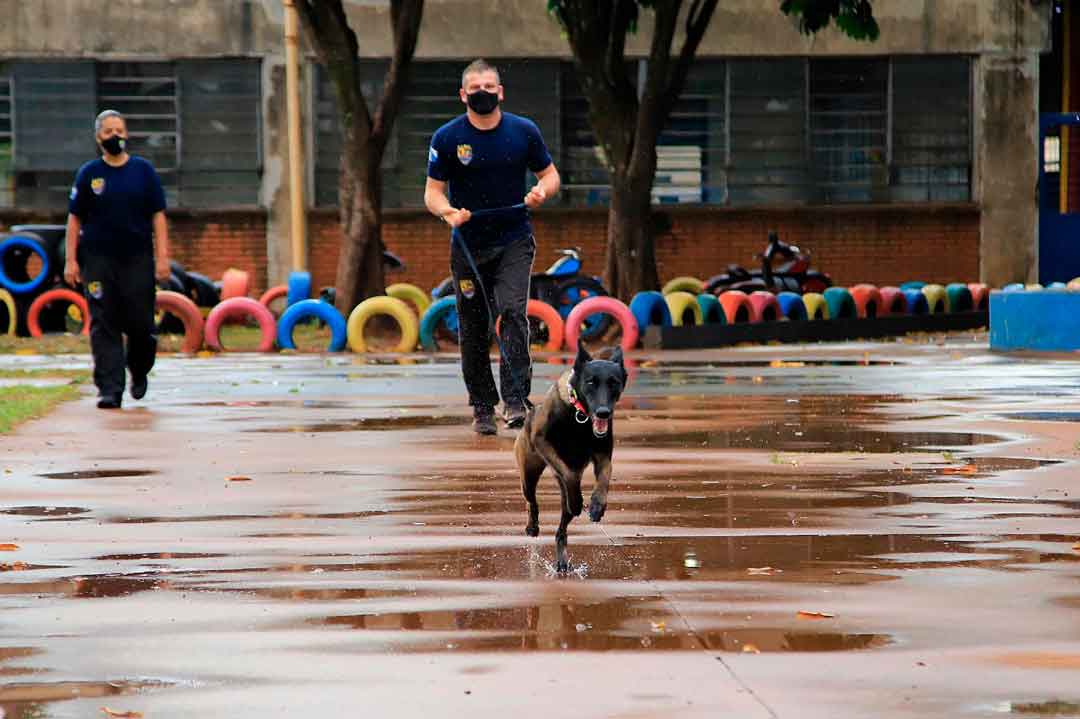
(869, 530)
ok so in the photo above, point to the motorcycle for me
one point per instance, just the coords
(793, 274)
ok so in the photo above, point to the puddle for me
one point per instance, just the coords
(1044, 416)
(99, 474)
(45, 511)
(373, 424)
(157, 555)
(59, 691)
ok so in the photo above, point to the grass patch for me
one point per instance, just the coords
(77, 376)
(18, 404)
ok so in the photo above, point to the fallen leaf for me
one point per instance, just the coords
(204, 353)
(815, 615)
(758, 379)
(1076, 547)
(750, 649)
(15, 567)
(966, 469)
(659, 626)
(121, 715)
(238, 478)
(9, 547)
(785, 363)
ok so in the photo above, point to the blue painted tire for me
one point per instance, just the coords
(1014, 287)
(792, 305)
(437, 314)
(712, 312)
(841, 303)
(650, 308)
(913, 285)
(916, 302)
(32, 284)
(299, 288)
(1056, 286)
(312, 308)
(959, 298)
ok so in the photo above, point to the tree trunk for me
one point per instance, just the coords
(360, 264)
(631, 256)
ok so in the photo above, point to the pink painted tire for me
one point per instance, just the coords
(893, 302)
(188, 312)
(607, 305)
(237, 308)
(980, 296)
(868, 301)
(274, 293)
(764, 307)
(234, 283)
(737, 307)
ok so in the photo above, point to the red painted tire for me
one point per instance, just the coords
(550, 317)
(737, 307)
(33, 315)
(236, 308)
(188, 312)
(764, 307)
(234, 283)
(893, 302)
(274, 293)
(980, 296)
(868, 301)
(608, 305)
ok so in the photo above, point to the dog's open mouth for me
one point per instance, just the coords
(600, 426)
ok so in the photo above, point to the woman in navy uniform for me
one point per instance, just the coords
(117, 244)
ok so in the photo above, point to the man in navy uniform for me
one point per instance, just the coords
(483, 157)
(116, 215)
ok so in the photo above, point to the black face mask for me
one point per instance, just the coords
(114, 145)
(483, 102)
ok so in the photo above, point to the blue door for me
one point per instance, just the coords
(1059, 232)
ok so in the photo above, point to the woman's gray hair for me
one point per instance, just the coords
(100, 120)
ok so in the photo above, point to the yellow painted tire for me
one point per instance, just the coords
(936, 299)
(1074, 284)
(678, 303)
(410, 293)
(684, 284)
(816, 306)
(406, 319)
(9, 302)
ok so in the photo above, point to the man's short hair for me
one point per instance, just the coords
(478, 66)
(105, 114)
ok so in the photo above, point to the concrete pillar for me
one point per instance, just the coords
(1006, 172)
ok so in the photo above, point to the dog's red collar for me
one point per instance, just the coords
(582, 415)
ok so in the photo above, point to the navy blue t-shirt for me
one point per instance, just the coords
(116, 206)
(485, 169)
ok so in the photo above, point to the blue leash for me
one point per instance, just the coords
(489, 301)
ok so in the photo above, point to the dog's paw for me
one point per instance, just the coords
(533, 530)
(596, 510)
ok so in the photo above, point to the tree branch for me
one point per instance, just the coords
(652, 111)
(697, 21)
(405, 16)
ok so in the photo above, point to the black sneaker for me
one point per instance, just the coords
(138, 387)
(484, 420)
(109, 401)
(514, 415)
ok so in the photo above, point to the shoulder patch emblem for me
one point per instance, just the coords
(464, 154)
(97, 185)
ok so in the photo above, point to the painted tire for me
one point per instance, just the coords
(12, 314)
(792, 305)
(868, 303)
(712, 313)
(234, 283)
(958, 297)
(1014, 287)
(549, 316)
(980, 296)
(916, 302)
(33, 283)
(312, 308)
(737, 307)
(936, 299)
(649, 308)
(1033, 287)
(298, 288)
(816, 306)
(684, 284)
(181, 306)
(913, 285)
(236, 308)
(392, 307)
(33, 315)
(410, 293)
(1073, 284)
(764, 307)
(435, 314)
(679, 303)
(272, 294)
(1056, 286)
(893, 301)
(841, 303)
(607, 305)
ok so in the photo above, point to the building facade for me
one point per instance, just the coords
(913, 157)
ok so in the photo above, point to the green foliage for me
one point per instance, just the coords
(855, 18)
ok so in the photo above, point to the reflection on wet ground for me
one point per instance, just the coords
(897, 540)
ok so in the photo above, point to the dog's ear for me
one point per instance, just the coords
(617, 358)
(582, 359)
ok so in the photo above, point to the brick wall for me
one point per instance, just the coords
(878, 244)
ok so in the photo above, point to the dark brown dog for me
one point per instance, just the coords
(571, 428)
